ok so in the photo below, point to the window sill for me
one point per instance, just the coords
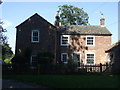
(65, 62)
(65, 45)
(34, 42)
(90, 45)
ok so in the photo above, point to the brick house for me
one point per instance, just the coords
(114, 55)
(37, 34)
(85, 44)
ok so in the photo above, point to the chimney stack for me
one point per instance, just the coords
(102, 20)
(57, 19)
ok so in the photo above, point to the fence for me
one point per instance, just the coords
(95, 68)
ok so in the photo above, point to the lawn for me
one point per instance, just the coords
(69, 81)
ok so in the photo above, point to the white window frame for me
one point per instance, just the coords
(33, 36)
(62, 57)
(68, 40)
(93, 40)
(31, 59)
(86, 58)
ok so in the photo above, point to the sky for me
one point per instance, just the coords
(14, 13)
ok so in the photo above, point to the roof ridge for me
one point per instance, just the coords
(33, 16)
(82, 25)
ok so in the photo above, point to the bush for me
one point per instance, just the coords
(8, 61)
(45, 57)
(115, 68)
(18, 64)
(71, 64)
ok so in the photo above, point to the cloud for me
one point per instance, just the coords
(7, 23)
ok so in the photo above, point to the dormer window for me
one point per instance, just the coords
(35, 36)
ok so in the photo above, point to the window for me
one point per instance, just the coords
(34, 60)
(64, 40)
(35, 35)
(90, 40)
(90, 59)
(64, 57)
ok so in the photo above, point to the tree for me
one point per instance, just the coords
(6, 51)
(0, 2)
(71, 15)
(3, 37)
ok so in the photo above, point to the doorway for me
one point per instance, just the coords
(77, 58)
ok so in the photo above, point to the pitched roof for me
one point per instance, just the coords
(113, 46)
(85, 30)
(36, 14)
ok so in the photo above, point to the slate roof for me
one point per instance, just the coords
(85, 30)
(113, 46)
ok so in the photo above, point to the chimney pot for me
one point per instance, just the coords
(102, 20)
(57, 19)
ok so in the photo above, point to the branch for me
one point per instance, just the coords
(1, 1)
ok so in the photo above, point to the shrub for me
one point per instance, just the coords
(18, 63)
(45, 57)
(71, 64)
(8, 61)
(115, 68)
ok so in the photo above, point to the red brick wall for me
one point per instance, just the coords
(78, 44)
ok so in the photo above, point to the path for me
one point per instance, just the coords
(17, 84)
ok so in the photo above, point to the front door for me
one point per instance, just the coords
(77, 58)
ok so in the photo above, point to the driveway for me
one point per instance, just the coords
(17, 84)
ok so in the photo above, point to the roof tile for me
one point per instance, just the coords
(85, 29)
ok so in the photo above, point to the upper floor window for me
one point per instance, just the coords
(64, 40)
(35, 35)
(90, 41)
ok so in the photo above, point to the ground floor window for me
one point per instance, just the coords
(64, 57)
(34, 60)
(90, 58)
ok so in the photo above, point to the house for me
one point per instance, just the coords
(37, 34)
(85, 44)
(114, 55)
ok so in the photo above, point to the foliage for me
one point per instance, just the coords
(18, 64)
(6, 51)
(71, 15)
(3, 37)
(45, 57)
(72, 64)
(115, 68)
(1, 2)
(8, 60)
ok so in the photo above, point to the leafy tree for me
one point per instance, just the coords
(6, 51)
(9, 60)
(71, 15)
(3, 37)
(0, 2)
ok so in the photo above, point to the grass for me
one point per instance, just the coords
(69, 81)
